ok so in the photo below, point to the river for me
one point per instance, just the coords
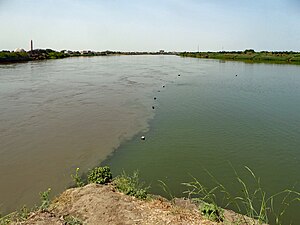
(57, 115)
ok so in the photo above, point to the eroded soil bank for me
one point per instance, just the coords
(103, 204)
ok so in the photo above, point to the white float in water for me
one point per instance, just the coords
(143, 138)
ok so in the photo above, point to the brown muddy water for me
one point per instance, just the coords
(57, 115)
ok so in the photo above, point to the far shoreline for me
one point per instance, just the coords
(21, 56)
(247, 56)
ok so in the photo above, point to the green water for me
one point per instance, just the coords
(210, 119)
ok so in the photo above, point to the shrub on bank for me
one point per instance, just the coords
(6, 56)
(100, 175)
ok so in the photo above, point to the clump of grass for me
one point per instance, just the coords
(4, 220)
(255, 203)
(71, 220)
(100, 175)
(45, 200)
(130, 185)
(166, 189)
(77, 179)
(206, 198)
(18, 216)
(212, 212)
(23, 213)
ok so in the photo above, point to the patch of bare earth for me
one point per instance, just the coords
(102, 204)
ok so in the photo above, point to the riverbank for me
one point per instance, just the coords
(98, 198)
(42, 54)
(104, 204)
(22, 56)
(250, 56)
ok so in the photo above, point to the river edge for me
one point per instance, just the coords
(104, 204)
(248, 56)
(7, 57)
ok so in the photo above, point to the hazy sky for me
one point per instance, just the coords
(150, 25)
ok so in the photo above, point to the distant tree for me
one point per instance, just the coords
(48, 50)
(249, 51)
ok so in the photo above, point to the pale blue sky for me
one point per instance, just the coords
(150, 25)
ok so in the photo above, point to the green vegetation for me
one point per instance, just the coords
(38, 54)
(254, 203)
(17, 216)
(77, 179)
(248, 55)
(45, 200)
(166, 189)
(212, 212)
(57, 55)
(71, 220)
(6, 56)
(4, 220)
(130, 185)
(100, 175)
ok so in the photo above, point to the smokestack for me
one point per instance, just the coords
(31, 45)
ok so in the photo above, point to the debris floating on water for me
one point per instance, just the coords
(153, 107)
(179, 75)
(163, 86)
(154, 98)
(236, 75)
(143, 138)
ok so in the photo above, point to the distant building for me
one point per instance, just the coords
(84, 52)
(68, 52)
(19, 50)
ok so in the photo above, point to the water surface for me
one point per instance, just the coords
(56, 115)
(221, 117)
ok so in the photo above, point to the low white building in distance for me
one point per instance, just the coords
(19, 50)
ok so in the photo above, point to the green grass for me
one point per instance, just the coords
(212, 212)
(295, 59)
(253, 202)
(71, 220)
(45, 200)
(18, 216)
(131, 185)
(57, 55)
(78, 180)
(23, 213)
(248, 56)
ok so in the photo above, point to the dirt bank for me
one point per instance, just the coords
(102, 204)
